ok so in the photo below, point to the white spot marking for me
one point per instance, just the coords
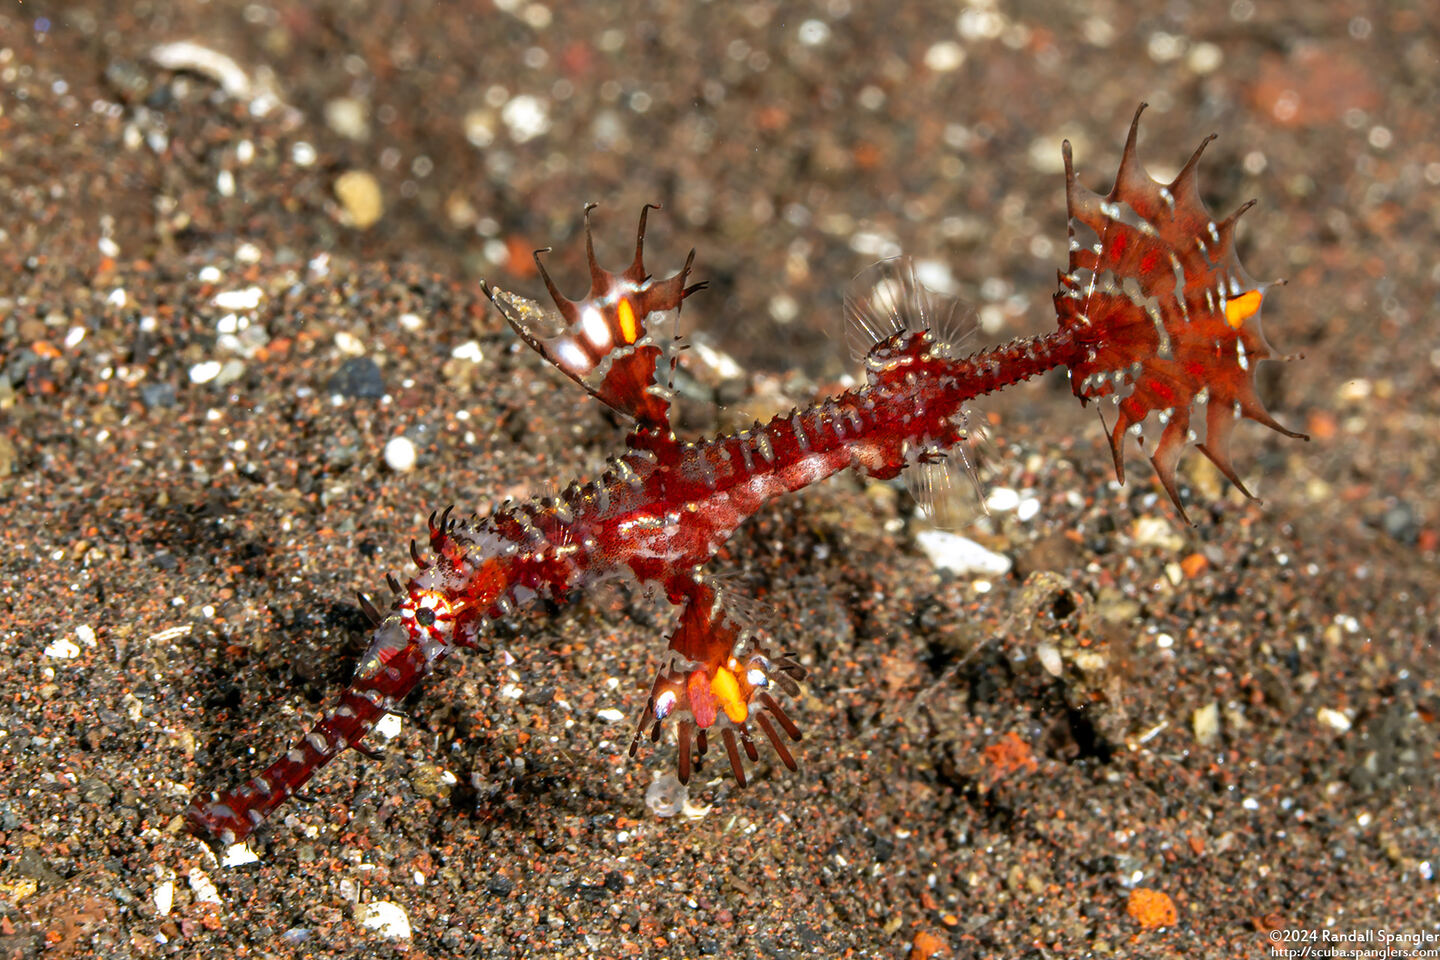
(597, 331)
(571, 358)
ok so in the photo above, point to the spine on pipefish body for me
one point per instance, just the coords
(1156, 318)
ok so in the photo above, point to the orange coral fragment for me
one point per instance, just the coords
(1151, 908)
(926, 945)
(1009, 754)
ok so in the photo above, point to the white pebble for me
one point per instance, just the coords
(469, 350)
(610, 715)
(237, 855)
(1002, 500)
(86, 634)
(949, 551)
(210, 274)
(400, 454)
(117, 297)
(1027, 508)
(813, 33)
(205, 371)
(247, 299)
(945, 56)
(386, 918)
(1156, 532)
(525, 117)
(1333, 719)
(62, 649)
(164, 898)
(1050, 659)
(348, 344)
(202, 887)
(388, 726)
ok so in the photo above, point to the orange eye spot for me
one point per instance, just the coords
(727, 690)
(1242, 308)
(629, 329)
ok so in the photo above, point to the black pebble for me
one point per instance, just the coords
(359, 377)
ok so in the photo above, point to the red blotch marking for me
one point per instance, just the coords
(1118, 243)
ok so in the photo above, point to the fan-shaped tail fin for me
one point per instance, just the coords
(1162, 314)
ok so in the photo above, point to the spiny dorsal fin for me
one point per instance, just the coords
(1163, 314)
(611, 341)
(887, 298)
(886, 307)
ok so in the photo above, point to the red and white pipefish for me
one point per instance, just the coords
(1155, 313)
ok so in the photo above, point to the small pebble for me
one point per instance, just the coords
(386, 918)
(157, 395)
(388, 726)
(237, 855)
(205, 371)
(1050, 659)
(62, 649)
(1205, 723)
(949, 551)
(203, 887)
(359, 194)
(469, 350)
(525, 117)
(247, 299)
(1002, 500)
(400, 454)
(164, 898)
(348, 117)
(1156, 532)
(358, 377)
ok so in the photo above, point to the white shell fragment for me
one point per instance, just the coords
(949, 551)
(386, 918)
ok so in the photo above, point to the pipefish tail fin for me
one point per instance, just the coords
(1163, 316)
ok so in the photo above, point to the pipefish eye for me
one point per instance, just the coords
(425, 616)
